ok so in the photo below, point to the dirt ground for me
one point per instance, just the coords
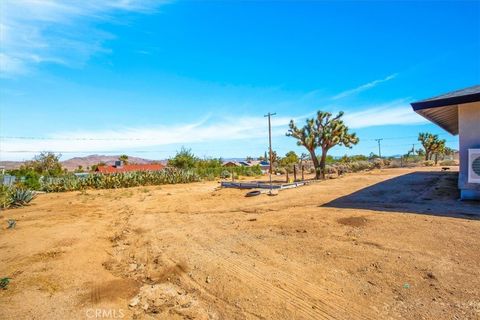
(385, 244)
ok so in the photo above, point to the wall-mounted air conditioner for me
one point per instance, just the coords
(473, 165)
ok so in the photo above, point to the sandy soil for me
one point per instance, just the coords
(375, 245)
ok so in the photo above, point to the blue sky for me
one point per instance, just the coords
(146, 77)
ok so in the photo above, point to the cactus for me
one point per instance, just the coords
(5, 196)
(119, 180)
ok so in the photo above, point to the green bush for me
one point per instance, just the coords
(225, 174)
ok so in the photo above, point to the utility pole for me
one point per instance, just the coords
(269, 115)
(379, 148)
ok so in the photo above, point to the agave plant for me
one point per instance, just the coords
(21, 197)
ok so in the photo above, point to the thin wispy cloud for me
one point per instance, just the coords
(397, 112)
(33, 32)
(363, 87)
(207, 130)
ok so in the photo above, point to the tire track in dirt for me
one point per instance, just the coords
(317, 309)
(195, 284)
(307, 300)
(332, 304)
(327, 310)
(268, 289)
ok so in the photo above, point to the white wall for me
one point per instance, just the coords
(469, 137)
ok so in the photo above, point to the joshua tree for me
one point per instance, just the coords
(431, 143)
(123, 158)
(441, 149)
(274, 157)
(323, 132)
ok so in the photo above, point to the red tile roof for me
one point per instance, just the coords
(130, 168)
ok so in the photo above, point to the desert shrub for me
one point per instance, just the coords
(26, 178)
(329, 169)
(248, 171)
(225, 174)
(360, 166)
(342, 169)
(448, 163)
(429, 163)
(378, 163)
(184, 159)
(209, 177)
(394, 164)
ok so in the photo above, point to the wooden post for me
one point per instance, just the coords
(294, 173)
(303, 169)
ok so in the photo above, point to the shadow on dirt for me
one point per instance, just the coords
(431, 193)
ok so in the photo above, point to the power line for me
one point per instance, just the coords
(150, 139)
(236, 147)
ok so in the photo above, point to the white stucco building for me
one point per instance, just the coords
(458, 112)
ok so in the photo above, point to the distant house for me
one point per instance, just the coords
(231, 164)
(120, 167)
(264, 165)
(458, 112)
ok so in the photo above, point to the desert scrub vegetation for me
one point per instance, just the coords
(45, 173)
(349, 167)
(210, 168)
(118, 180)
(448, 163)
(13, 197)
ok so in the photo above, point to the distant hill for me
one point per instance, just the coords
(88, 161)
(11, 164)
